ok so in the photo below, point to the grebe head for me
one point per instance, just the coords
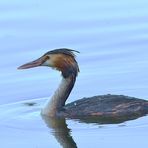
(61, 59)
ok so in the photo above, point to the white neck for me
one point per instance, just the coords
(55, 104)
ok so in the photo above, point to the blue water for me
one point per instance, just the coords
(112, 37)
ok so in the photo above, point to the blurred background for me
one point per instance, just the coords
(112, 36)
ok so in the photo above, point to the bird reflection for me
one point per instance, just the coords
(62, 133)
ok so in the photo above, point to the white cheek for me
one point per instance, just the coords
(48, 63)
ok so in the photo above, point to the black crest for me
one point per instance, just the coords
(66, 51)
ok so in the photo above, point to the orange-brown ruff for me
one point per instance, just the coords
(105, 106)
(65, 63)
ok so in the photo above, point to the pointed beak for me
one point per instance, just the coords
(32, 64)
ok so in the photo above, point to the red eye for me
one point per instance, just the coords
(47, 57)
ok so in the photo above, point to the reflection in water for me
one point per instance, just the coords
(63, 134)
(107, 120)
(60, 131)
(21, 118)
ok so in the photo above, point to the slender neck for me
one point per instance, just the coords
(56, 103)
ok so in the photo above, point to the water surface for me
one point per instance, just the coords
(112, 38)
(22, 125)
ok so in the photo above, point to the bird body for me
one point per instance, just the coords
(107, 106)
(64, 61)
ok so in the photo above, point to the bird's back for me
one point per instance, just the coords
(106, 106)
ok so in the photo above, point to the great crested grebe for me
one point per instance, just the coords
(102, 106)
